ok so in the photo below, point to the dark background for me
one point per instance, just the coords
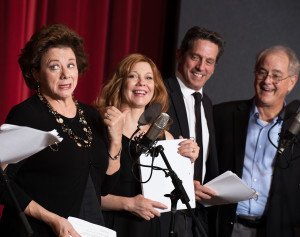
(247, 27)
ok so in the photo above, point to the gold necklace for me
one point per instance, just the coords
(80, 142)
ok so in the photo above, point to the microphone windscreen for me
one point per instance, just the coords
(295, 126)
(150, 114)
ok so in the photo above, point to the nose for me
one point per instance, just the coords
(65, 74)
(269, 79)
(200, 65)
(141, 81)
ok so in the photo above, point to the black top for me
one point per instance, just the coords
(123, 222)
(57, 180)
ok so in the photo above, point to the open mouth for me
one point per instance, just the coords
(268, 90)
(65, 86)
(197, 75)
(140, 92)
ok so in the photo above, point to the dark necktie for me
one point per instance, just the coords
(199, 161)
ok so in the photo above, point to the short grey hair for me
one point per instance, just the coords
(294, 64)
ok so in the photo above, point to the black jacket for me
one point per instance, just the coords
(283, 212)
(177, 112)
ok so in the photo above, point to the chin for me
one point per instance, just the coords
(63, 97)
(265, 103)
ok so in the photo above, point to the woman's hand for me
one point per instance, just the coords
(60, 226)
(114, 119)
(143, 207)
(189, 148)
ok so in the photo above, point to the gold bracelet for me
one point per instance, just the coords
(115, 157)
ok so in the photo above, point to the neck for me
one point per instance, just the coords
(268, 113)
(65, 107)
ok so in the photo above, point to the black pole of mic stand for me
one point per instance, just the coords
(12, 195)
(178, 193)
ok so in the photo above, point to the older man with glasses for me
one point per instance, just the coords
(248, 137)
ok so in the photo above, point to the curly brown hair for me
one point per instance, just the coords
(50, 36)
(111, 93)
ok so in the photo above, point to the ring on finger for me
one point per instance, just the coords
(107, 116)
(193, 151)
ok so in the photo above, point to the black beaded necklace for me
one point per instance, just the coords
(80, 142)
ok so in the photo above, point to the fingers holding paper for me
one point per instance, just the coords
(202, 192)
(144, 208)
(59, 225)
(63, 228)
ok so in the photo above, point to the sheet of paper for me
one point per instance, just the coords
(230, 189)
(159, 185)
(19, 142)
(87, 229)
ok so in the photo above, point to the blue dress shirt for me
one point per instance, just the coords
(259, 162)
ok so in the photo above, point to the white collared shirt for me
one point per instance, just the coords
(189, 102)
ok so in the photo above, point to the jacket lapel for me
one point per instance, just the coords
(241, 119)
(179, 106)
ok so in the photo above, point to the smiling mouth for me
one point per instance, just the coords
(266, 89)
(140, 92)
(197, 75)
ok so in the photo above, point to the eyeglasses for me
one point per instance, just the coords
(262, 75)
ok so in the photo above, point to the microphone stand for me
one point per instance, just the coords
(178, 193)
(12, 195)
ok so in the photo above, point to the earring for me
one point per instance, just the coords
(38, 87)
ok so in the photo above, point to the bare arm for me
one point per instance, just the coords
(60, 226)
(138, 205)
(114, 119)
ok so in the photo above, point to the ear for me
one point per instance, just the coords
(35, 75)
(292, 82)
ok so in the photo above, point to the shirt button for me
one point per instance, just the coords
(254, 180)
(259, 146)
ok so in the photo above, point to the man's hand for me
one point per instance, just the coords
(202, 192)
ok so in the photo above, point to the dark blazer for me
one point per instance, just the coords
(180, 126)
(283, 212)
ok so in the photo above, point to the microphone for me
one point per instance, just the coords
(290, 135)
(145, 143)
(150, 114)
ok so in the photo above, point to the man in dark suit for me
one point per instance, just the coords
(247, 134)
(197, 57)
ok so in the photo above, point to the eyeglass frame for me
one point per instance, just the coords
(275, 81)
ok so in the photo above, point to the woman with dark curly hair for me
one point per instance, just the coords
(64, 179)
(135, 84)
